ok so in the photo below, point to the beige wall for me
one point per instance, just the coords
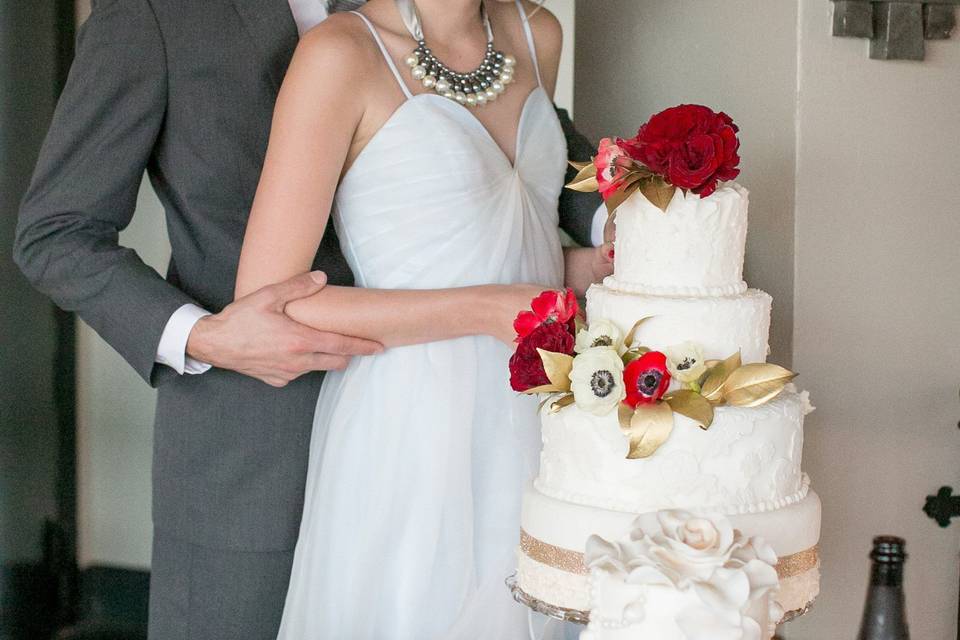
(877, 312)
(859, 156)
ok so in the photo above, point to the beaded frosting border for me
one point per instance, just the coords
(572, 561)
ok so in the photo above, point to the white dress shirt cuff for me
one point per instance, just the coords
(172, 350)
(596, 229)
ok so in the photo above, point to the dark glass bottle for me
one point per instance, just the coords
(885, 614)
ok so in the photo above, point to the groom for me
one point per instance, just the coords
(185, 90)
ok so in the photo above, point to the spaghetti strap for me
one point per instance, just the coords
(529, 33)
(386, 54)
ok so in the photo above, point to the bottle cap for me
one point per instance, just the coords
(888, 549)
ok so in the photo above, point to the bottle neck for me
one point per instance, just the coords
(886, 574)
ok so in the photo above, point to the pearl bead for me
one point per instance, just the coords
(412, 60)
(471, 100)
(443, 85)
(506, 78)
(460, 97)
(419, 72)
(429, 82)
(448, 94)
(497, 86)
(491, 95)
(509, 61)
(481, 99)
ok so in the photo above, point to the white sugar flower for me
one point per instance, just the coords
(685, 361)
(596, 380)
(601, 333)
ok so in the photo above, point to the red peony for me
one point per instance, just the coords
(549, 307)
(691, 146)
(646, 379)
(612, 164)
(526, 367)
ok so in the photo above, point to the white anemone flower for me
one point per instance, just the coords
(600, 333)
(685, 362)
(596, 380)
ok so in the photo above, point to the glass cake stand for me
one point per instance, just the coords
(583, 617)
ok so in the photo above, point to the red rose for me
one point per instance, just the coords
(526, 367)
(646, 379)
(548, 307)
(691, 146)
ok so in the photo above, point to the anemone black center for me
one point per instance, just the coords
(602, 383)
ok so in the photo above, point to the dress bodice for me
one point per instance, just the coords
(432, 201)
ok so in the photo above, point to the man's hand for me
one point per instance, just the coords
(254, 337)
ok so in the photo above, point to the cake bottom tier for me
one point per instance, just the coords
(550, 563)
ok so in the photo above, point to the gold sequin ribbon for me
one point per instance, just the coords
(572, 561)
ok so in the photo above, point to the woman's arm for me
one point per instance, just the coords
(319, 109)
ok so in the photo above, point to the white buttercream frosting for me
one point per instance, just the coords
(682, 575)
(693, 248)
(720, 325)
(748, 461)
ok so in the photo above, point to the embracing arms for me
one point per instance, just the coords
(84, 193)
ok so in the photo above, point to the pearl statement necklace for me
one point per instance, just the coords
(474, 89)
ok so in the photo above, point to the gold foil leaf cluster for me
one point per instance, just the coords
(638, 178)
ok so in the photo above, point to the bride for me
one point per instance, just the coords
(447, 213)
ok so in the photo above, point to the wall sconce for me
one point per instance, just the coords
(896, 30)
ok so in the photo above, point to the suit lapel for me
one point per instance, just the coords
(272, 28)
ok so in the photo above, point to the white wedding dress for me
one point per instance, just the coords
(419, 455)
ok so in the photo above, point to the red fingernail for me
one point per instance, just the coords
(610, 254)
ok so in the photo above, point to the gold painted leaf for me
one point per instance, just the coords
(632, 334)
(544, 388)
(579, 166)
(557, 366)
(586, 178)
(617, 197)
(712, 387)
(755, 383)
(633, 354)
(649, 428)
(625, 414)
(658, 192)
(691, 404)
(563, 401)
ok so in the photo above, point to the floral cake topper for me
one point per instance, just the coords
(688, 147)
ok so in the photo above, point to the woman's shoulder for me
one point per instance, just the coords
(342, 41)
(546, 27)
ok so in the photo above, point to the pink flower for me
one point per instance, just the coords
(612, 164)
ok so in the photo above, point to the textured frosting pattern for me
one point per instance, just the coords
(720, 325)
(748, 461)
(696, 247)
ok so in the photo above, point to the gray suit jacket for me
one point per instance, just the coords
(184, 90)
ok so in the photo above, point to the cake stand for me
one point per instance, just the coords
(583, 617)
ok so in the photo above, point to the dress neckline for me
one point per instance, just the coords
(471, 117)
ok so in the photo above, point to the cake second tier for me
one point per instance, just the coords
(747, 462)
(721, 325)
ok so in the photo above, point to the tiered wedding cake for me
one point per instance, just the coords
(678, 269)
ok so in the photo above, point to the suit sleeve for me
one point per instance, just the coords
(84, 188)
(577, 209)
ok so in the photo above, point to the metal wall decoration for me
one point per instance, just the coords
(897, 30)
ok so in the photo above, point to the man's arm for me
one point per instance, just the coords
(581, 215)
(84, 193)
(84, 188)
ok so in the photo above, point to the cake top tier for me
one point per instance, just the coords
(694, 248)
